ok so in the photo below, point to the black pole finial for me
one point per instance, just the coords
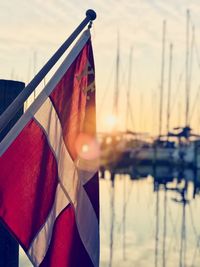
(91, 14)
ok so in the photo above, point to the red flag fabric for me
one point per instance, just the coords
(49, 196)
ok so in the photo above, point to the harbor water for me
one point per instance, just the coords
(149, 221)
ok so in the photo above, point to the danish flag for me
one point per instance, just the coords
(49, 198)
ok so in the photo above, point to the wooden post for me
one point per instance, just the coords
(9, 248)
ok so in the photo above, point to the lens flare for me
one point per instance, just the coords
(87, 147)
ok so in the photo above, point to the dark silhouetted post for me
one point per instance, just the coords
(9, 249)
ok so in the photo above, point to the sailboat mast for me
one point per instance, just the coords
(169, 88)
(129, 88)
(162, 78)
(187, 69)
(116, 96)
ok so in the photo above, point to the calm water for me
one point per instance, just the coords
(146, 223)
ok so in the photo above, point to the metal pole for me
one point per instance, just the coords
(18, 102)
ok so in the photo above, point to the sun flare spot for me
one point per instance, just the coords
(111, 121)
(85, 148)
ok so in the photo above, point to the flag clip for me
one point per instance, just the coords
(90, 25)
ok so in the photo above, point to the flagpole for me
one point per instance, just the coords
(23, 96)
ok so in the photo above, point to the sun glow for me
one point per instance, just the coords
(111, 122)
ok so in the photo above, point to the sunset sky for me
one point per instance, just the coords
(31, 31)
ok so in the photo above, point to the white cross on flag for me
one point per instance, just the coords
(49, 197)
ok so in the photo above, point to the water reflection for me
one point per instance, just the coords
(152, 219)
